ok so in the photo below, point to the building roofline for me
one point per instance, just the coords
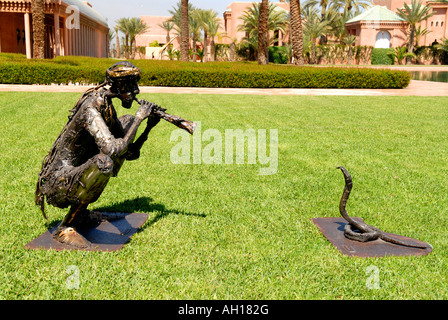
(88, 11)
(376, 13)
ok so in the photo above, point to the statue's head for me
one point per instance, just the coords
(123, 77)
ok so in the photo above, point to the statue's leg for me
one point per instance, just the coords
(88, 182)
(66, 233)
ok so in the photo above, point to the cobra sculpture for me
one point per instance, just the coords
(360, 231)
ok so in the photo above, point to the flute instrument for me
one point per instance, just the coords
(186, 125)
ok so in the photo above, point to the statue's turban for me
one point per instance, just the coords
(122, 71)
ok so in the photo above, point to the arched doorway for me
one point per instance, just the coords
(382, 39)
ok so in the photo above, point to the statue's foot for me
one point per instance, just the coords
(70, 236)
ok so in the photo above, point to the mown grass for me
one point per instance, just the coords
(226, 232)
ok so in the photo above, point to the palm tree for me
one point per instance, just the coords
(324, 6)
(123, 26)
(414, 14)
(351, 7)
(296, 32)
(443, 46)
(194, 25)
(167, 25)
(337, 24)
(401, 53)
(208, 20)
(118, 41)
(263, 33)
(176, 14)
(38, 16)
(131, 27)
(184, 33)
(349, 40)
(110, 37)
(313, 29)
(213, 30)
(278, 20)
(137, 26)
(335, 12)
(419, 32)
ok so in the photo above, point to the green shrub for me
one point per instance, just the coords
(65, 70)
(12, 57)
(155, 43)
(278, 55)
(384, 56)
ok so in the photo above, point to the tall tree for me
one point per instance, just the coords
(296, 32)
(314, 28)
(213, 29)
(349, 40)
(131, 27)
(263, 33)
(38, 16)
(208, 19)
(278, 21)
(194, 25)
(350, 7)
(136, 27)
(167, 25)
(110, 37)
(123, 26)
(324, 6)
(118, 53)
(184, 33)
(176, 14)
(414, 14)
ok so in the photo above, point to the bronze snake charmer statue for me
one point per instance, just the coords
(92, 148)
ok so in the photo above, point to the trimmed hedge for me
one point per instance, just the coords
(382, 56)
(65, 70)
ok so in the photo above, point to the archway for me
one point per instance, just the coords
(382, 39)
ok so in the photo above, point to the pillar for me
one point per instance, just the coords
(28, 36)
(57, 36)
(66, 50)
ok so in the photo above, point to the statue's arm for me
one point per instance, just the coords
(134, 148)
(105, 140)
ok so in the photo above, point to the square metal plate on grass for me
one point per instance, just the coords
(106, 236)
(333, 230)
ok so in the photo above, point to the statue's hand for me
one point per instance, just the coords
(145, 109)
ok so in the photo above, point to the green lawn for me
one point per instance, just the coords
(225, 231)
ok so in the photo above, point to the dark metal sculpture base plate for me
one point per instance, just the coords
(106, 236)
(333, 230)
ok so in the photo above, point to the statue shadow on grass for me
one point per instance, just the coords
(112, 236)
(145, 205)
(137, 205)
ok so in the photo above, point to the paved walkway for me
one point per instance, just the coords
(415, 88)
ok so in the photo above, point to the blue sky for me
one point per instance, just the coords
(116, 9)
